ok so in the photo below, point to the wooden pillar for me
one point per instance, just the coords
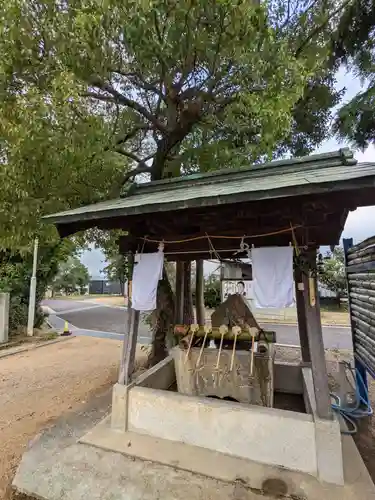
(130, 338)
(188, 316)
(315, 340)
(199, 292)
(301, 284)
(180, 285)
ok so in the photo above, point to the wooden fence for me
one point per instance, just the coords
(360, 269)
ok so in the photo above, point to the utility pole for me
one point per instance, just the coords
(31, 317)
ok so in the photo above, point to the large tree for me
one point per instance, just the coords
(332, 271)
(166, 86)
(163, 70)
(72, 277)
(354, 46)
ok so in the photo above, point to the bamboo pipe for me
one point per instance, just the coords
(236, 330)
(215, 333)
(207, 330)
(224, 331)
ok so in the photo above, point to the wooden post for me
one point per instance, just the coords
(315, 339)
(180, 285)
(301, 287)
(199, 292)
(188, 315)
(130, 337)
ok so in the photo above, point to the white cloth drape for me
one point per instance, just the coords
(146, 275)
(273, 283)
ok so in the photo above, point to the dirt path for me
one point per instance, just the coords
(38, 386)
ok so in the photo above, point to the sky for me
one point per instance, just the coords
(360, 224)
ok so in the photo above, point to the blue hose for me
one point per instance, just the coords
(360, 409)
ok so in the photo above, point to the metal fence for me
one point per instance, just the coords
(105, 287)
(360, 269)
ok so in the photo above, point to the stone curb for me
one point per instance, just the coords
(35, 346)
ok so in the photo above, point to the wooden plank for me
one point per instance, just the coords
(179, 315)
(360, 268)
(357, 309)
(301, 299)
(360, 246)
(370, 360)
(359, 366)
(363, 260)
(364, 326)
(368, 335)
(362, 291)
(199, 292)
(121, 376)
(361, 253)
(361, 276)
(315, 338)
(362, 298)
(364, 305)
(368, 285)
(130, 343)
(362, 358)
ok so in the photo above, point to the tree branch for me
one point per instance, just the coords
(125, 101)
(99, 97)
(141, 169)
(132, 133)
(133, 156)
(319, 28)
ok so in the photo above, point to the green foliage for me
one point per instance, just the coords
(117, 269)
(163, 81)
(72, 277)
(95, 93)
(354, 46)
(15, 275)
(332, 271)
(212, 292)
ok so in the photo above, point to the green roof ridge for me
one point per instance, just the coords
(343, 156)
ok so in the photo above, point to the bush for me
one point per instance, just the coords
(212, 295)
(15, 274)
(18, 313)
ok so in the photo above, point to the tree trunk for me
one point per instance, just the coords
(162, 320)
(199, 293)
(188, 298)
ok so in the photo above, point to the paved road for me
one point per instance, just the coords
(95, 319)
(92, 319)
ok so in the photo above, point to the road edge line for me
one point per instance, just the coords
(36, 346)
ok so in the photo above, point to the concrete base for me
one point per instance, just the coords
(83, 457)
(295, 441)
(56, 467)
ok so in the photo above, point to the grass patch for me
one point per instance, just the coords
(49, 336)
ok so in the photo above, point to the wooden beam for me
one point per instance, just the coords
(130, 343)
(179, 315)
(130, 338)
(301, 290)
(316, 346)
(199, 292)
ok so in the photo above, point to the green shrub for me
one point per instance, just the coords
(212, 295)
(15, 275)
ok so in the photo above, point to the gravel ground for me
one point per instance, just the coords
(38, 386)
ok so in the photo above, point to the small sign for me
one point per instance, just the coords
(232, 287)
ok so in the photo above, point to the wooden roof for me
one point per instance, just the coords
(313, 194)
